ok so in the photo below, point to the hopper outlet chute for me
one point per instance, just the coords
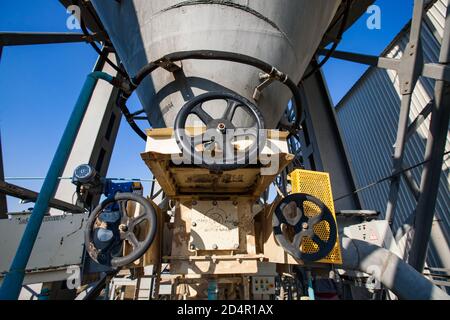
(284, 34)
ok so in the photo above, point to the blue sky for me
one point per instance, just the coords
(40, 84)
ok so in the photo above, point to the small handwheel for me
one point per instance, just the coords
(221, 134)
(109, 226)
(304, 226)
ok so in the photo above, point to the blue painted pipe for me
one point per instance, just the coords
(12, 283)
(212, 290)
(311, 294)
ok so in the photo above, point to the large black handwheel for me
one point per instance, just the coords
(221, 134)
(291, 213)
(109, 226)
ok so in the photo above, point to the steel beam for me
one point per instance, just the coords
(433, 168)
(424, 114)
(29, 195)
(430, 70)
(409, 71)
(411, 183)
(3, 204)
(374, 61)
(436, 71)
(31, 38)
(322, 136)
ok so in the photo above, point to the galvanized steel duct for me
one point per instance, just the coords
(395, 274)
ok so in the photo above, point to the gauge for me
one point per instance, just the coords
(83, 173)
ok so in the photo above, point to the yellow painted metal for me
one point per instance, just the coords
(318, 185)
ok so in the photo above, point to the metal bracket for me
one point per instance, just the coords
(168, 65)
(434, 71)
(410, 67)
(267, 82)
(267, 79)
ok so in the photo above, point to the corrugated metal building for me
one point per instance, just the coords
(368, 116)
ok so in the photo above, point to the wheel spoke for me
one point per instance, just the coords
(318, 241)
(298, 239)
(316, 219)
(132, 239)
(231, 109)
(123, 208)
(202, 114)
(137, 220)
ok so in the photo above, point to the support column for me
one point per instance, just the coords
(410, 69)
(324, 142)
(3, 206)
(433, 168)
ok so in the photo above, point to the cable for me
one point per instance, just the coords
(129, 117)
(387, 178)
(225, 56)
(123, 108)
(336, 43)
(100, 52)
(92, 43)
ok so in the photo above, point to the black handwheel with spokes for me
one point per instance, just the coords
(291, 213)
(110, 218)
(220, 132)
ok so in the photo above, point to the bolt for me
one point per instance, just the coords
(236, 246)
(192, 247)
(222, 127)
(123, 228)
(215, 247)
(214, 203)
(194, 224)
(194, 203)
(305, 226)
(235, 203)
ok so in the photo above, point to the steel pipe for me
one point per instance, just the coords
(12, 283)
(395, 274)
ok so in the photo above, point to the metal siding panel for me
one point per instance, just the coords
(368, 116)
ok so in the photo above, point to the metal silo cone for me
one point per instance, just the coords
(283, 33)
